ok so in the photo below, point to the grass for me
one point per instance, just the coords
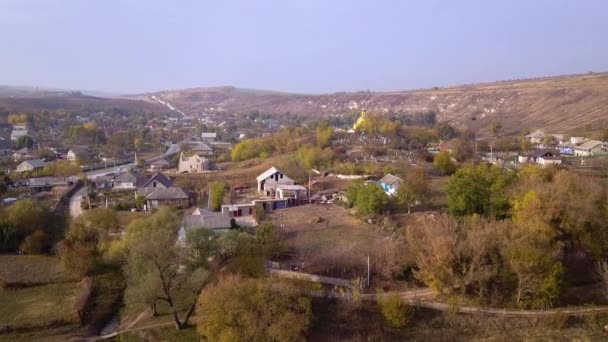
(165, 333)
(38, 306)
(25, 270)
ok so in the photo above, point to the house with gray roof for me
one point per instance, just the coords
(173, 196)
(390, 184)
(31, 165)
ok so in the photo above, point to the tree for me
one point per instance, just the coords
(27, 216)
(414, 189)
(62, 168)
(268, 239)
(324, 133)
(237, 309)
(8, 237)
(395, 311)
(479, 189)
(154, 265)
(367, 198)
(445, 131)
(25, 141)
(78, 257)
(443, 163)
(495, 128)
(217, 191)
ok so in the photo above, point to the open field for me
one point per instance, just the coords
(332, 242)
(38, 306)
(27, 270)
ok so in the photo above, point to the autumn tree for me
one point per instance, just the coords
(414, 189)
(367, 198)
(236, 309)
(217, 191)
(324, 133)
(394, 309)
(443, 162)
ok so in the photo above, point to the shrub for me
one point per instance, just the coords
(396, 312)
(35, 243)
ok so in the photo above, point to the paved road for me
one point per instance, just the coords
(75, 200)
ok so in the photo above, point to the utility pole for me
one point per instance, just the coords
(368, 270)
(309, 192)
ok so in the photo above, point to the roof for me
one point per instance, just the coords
(267, 173)
(160, 161)
(50, 181)
(209, 220)
(17, 133)
(590, 144)
(202, 147)
(161, 178)
(35, 163)
(168, 194)
(291, 187)
(209, 135)
(82, 151)
(126, 176)
(538, 153)
(23, 150)
(391, 179)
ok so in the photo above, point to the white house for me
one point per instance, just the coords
(577, 140)
(390, 184)
(270, 179)
(536, 137)
(18, 133)
(546, 161)
(79, 154)
(591, 148)
(128, 180)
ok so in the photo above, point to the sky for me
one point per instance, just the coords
(304, 46)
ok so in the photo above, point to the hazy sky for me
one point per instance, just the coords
(302, 46)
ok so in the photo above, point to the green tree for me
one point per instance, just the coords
(62, 168)
(445, 131)
(28, 216)
(268, 239)
(414, 189)
(8, 237)
(394, 309)
(443, 162)
(368, 198)
(495, 128)
(154, 261)
(25, 141)
(324, 134)
(237, 309)
(217, 191)
(479, 189)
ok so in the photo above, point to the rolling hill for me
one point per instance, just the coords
(562, 103)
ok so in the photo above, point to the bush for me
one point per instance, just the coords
(396, 312)
(78, 258)
(35, 243)
(443, 163)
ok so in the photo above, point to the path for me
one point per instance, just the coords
(75, 202)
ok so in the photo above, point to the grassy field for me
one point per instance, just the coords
(38, 306)
(25, 270)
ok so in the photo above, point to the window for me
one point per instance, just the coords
(154, 185)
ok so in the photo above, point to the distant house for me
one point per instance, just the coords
(159, 164)
(5, 148)
(79, 153)
(208, 137)
(31, 165)
(295, 192)
(18, 133)
(591, 148)
(390, 184)
(128, 180)
(103, 182)
(202, 149)
(270, 179)
(172, 196)
(192, 164)
(577, 140)
(49, 182)
(445, 146)
(536, 137)
(534, 155)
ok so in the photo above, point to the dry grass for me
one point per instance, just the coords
(330, 241)
(38, 306)
(26, 270)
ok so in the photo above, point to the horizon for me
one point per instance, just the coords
(135, 47)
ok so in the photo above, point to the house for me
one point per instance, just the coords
(445, 146)
(48, 182)
(103, 182)
(203, 218)
(296, 192)
(202, 149)
(22, 126)
(128, 180)
(268, 181)
(31, 165)
(18, 133)
(172, 196)
(5, 148)
(591, 148)
(566, 148)
(208, 137)
(536, 137)
(545, 161)
(22, 153)
(577, 140)
(193, 164)
(159, 164)
(532, 156)
(390, 184)
(79, 153)
(158, 180)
